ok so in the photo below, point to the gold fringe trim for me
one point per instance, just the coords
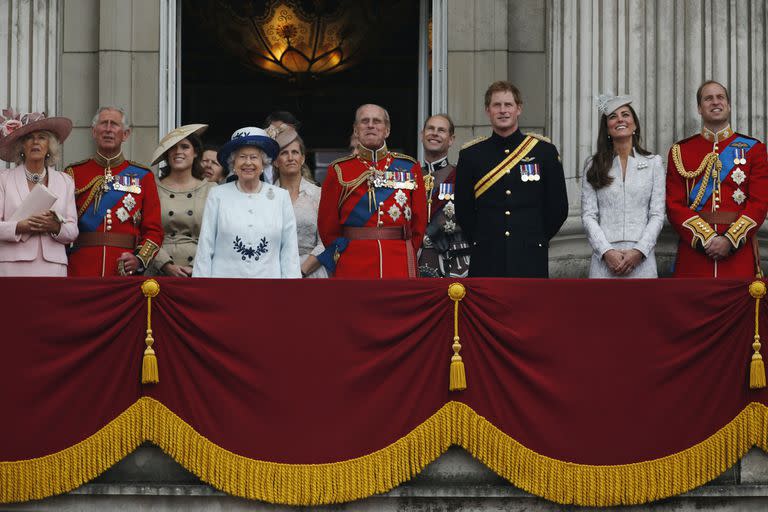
(60, 472)
(380, 471)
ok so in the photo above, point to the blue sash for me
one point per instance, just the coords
(92, 218)
(361, 213)
(726, 158)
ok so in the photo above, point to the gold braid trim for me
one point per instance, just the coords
(318, 484)
(347, 187)
(96, 185)
(737, 232)
(710, 161)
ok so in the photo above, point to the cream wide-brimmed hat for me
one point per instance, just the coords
(286, 136)
(607, 103)
(174, 136)
(14, 126)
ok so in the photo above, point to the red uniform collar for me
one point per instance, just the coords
(720, 136)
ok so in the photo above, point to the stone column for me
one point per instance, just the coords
(477, 55)
(111, 57)
(659, 51)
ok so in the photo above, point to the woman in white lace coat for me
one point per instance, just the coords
(292, 175)
(622, 196)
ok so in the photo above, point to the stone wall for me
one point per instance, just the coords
(110, 56)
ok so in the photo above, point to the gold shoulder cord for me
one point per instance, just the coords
(710, 161)
(349, 186)
(97, 189)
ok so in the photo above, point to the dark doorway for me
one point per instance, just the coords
(218, 88)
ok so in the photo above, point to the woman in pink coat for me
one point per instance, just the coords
(35, 245)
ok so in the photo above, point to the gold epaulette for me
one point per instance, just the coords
(737, 233)
(140, 166)
(474, 141)
(342, 159)
(540, 137)
(69, 170)
(700, 229)
(404, 157)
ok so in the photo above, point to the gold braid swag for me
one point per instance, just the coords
(710, 162)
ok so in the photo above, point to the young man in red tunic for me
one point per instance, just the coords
(717, 193)
(117, 206)
(372, 212)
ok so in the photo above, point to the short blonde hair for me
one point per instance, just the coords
(53, 158)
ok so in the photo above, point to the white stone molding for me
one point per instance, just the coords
(439, 56)
(29, 54)
(170, 66)
(659, 51)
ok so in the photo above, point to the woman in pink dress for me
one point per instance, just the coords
(35, 245)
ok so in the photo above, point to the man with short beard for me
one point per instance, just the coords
(510, 193)
(717, 193)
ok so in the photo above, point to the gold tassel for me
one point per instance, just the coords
(149, 371)
(757, 366)
(458, 378)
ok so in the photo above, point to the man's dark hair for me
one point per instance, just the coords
(709, 82)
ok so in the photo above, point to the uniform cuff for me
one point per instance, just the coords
(146, 251)
(701, 230)
(738, 231)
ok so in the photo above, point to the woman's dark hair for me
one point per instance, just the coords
(197, 167)
(597, 174)
(215, 149)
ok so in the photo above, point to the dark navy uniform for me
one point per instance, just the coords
(510, 202)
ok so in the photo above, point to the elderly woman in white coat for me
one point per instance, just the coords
(622, 196)
(34, 243)
(249, 229)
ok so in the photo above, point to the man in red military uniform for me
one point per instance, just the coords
(717, 193)
(372, 211)
(117, 206)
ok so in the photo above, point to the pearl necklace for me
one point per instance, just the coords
(35, 178)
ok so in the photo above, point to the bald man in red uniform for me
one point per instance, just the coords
(717, 193)
(373, 213)
(118, 207)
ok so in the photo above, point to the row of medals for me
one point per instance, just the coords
(387, 179)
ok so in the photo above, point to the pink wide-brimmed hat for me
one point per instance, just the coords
(14, 126)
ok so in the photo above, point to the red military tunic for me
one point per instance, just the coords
(730, 200)
(372, 207)
(118, 211)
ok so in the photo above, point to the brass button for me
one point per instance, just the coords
(506, 151)
(508, 171)
(507, 212)
(508, 192)
(506, 233)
